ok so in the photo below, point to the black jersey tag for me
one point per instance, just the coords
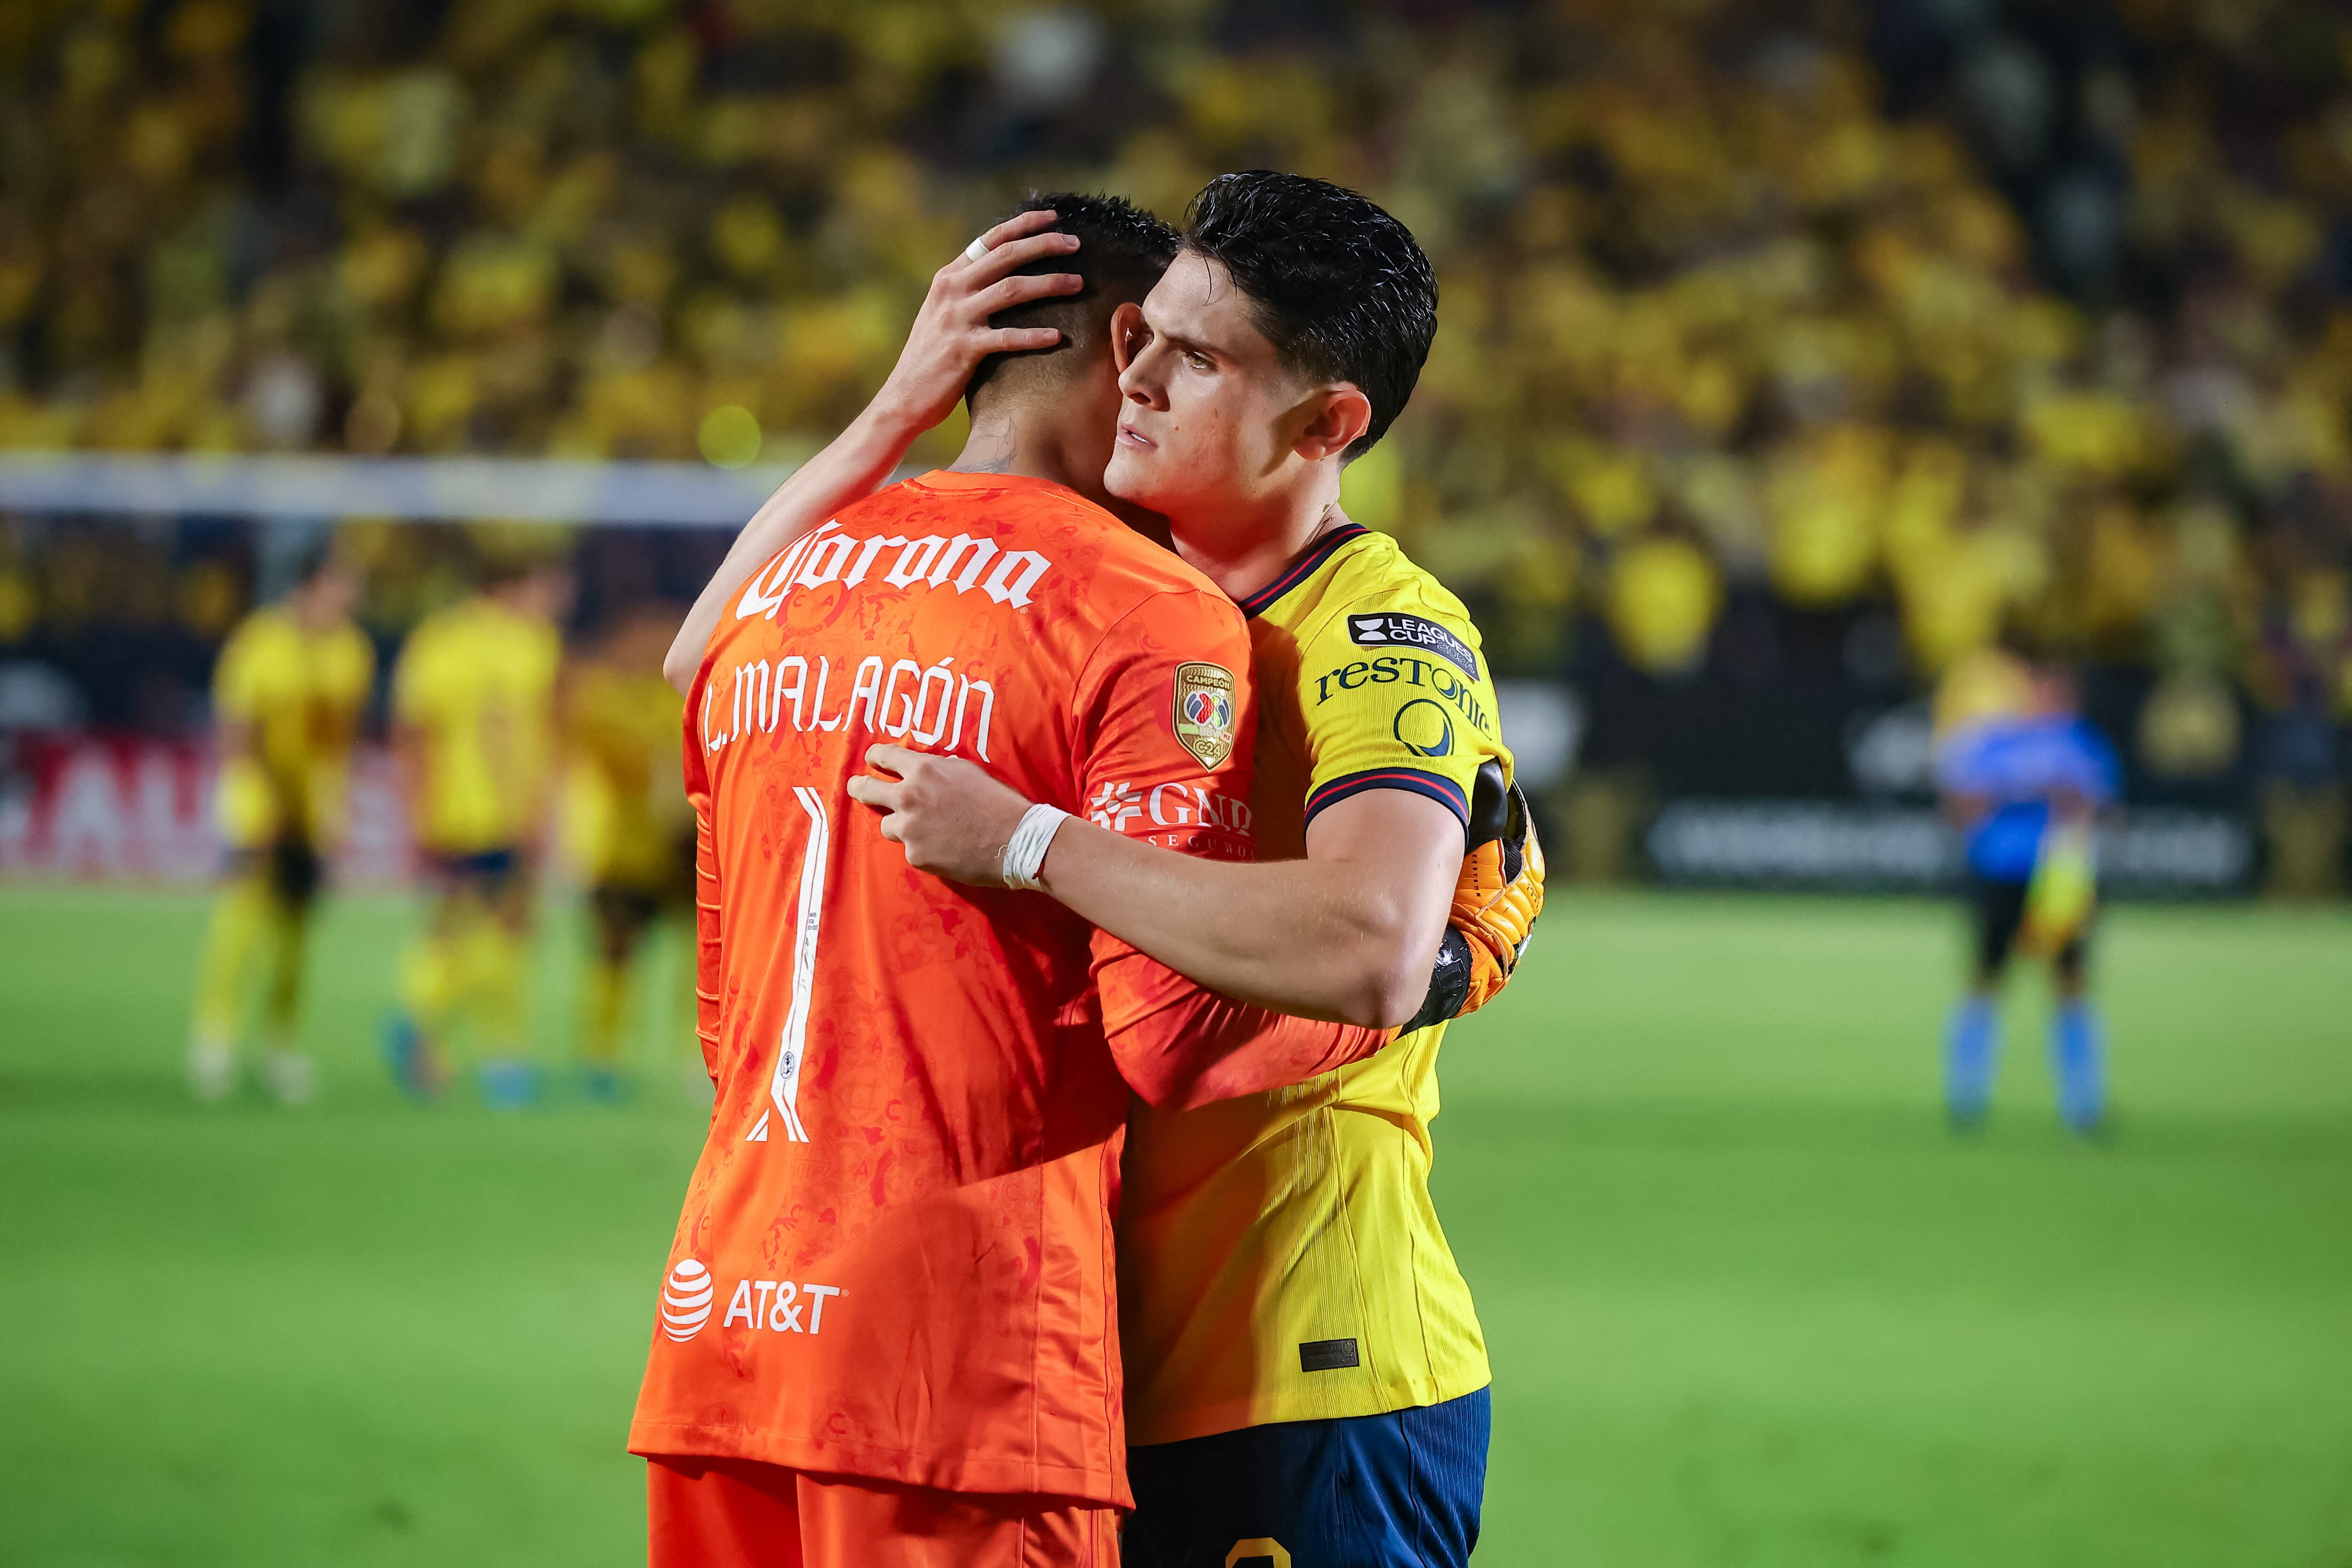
(1327, 1355)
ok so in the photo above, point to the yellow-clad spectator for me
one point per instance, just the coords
(635, 835)
(1826, 500)
(474, 726)
(288, 696)
(1953, 595)
(1662, 600)
(1745, 296)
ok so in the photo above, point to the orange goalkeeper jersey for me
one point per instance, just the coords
(895, 1256)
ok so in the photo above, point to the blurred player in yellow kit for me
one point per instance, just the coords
(634, 831)
(473, 708)
(287, 696)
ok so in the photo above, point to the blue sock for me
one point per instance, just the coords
(2078, 1049)
(509, 1083)
(1971, 1042)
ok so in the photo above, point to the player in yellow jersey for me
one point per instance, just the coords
(1306, 1376)
(289, 694)
(473, 712)
(622, 725)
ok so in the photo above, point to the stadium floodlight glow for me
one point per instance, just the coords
(526, 489)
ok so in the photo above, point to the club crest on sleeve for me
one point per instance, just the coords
(1204, 716)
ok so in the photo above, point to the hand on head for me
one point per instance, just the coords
(952, 335)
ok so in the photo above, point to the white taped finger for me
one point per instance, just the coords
(977, 248)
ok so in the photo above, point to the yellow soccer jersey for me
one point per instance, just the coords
(301, 695)
(1279, 1258)
(626, 732)
(476, 683)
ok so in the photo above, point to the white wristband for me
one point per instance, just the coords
(1024, 852)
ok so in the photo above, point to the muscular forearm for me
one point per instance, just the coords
(1328, 938)
(1349, 934)
(854, 466)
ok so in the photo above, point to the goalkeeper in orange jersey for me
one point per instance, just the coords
(636, 830)
(288, 696)
(473, 707)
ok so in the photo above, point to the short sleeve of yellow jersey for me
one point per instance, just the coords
(346, 670)
(268, 660)
(1395, 695)
(240, 676)
(417, 678)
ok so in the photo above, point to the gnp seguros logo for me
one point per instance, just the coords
(686, 1300)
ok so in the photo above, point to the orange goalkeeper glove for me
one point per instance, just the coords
(1495, 903)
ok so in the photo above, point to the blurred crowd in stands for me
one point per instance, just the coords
(1773, 336)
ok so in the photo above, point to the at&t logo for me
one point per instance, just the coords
(686, 1300)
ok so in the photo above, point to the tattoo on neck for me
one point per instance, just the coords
(988, 452)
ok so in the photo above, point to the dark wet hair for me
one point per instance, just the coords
(1122, 250)
(1339, 288)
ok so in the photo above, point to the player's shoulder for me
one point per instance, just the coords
(2089, 738)
(1372, 594)
(1975, 751)
(437, 626)
(1375, 563)
(439, 644)
(256, 651)
(345, 643)
(259, 634)
(522, 640)
(541, 642)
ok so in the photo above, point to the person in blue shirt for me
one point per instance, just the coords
(2012, 779)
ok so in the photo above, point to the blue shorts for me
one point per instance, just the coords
(486, 870)
(1400, 1490)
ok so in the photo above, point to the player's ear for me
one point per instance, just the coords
(1127, 335)
(1337, 417)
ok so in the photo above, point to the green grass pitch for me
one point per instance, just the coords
(1749, 1302)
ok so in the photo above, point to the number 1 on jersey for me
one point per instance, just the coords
(784, 1087)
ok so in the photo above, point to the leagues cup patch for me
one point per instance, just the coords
(1205, 711)
(1393, 629)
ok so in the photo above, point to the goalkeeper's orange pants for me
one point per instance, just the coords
(733, 1513)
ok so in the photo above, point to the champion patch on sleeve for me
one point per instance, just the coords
(1394, 628)
(1204, 718)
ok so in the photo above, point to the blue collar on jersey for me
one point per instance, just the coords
(1298, 571)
